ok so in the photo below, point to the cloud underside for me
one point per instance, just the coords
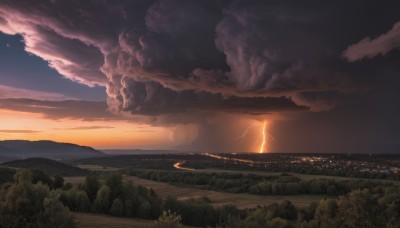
(92, 111)
(73, 109)
(162, 57)
(9, 131)
(9, 92)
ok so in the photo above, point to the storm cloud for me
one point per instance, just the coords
(155, 56)
(174, 60)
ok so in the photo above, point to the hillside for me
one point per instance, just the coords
(48, 166)
(21, 149)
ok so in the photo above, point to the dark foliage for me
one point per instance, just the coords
(50, 167)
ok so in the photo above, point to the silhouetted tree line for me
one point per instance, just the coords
(25, 203)
(366, 208)
(115, 197)
(309, 169)
(112, 196)
(284, 184)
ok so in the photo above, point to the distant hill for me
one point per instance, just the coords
(21, 149)
(50, 167)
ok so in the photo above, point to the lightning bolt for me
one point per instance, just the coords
(264, 138)
(244, 134)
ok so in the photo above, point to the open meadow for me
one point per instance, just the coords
(88, 220)
(240, 200)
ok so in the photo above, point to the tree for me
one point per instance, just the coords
(55, 215)
(169, 219)
(117, 207)
(24, 204)
(392, 216)
(287, 210)
(278, 222)
(359, 209)
(130, 194)
(258, 218)
(58, 181)
(91, 186)
(326, 212)
(144, 209)
(114, 182)
(84, 202)
(39, 175)
(102, 202)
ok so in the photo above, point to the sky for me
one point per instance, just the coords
(195, 75)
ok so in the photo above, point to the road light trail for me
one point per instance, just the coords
(228, 158)
(178, 166)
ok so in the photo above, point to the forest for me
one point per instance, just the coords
(269, 184)
(35, 199)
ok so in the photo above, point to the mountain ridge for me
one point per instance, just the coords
(22, 149)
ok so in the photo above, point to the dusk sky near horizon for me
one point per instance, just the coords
(223, 76)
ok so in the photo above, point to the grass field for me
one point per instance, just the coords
(86, 220)
(98, 168)
(305, 177)
(241, 200)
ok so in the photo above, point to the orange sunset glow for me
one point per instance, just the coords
(99, 134)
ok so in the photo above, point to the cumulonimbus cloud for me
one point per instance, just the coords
(163, 57)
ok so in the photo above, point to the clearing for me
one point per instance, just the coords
(86, 220)
(240, 200)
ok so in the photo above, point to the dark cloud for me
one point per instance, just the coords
(194, 49)
(152, 98)
(177, 61)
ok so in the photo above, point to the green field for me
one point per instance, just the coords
(98, 168)
(305, 177)
(240, 200)
(86, 220)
